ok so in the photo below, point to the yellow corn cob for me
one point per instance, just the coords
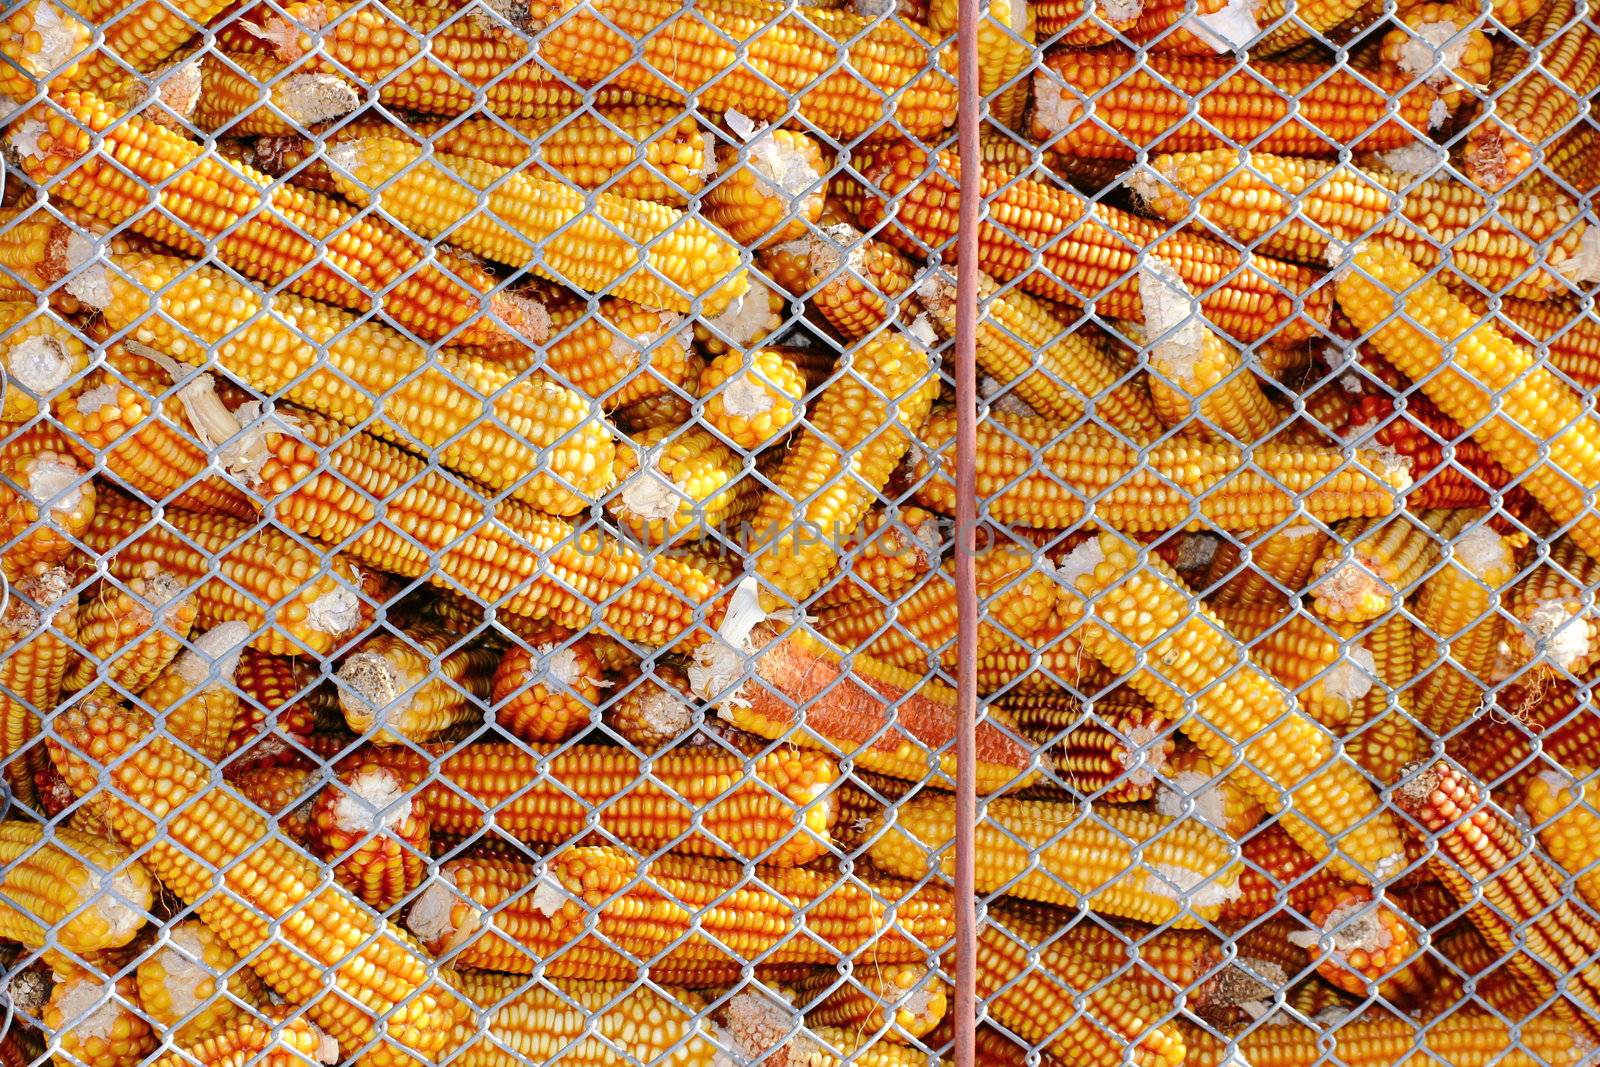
(1386, 745)
(1326, 675)
(672, 909)
(1192, 780)
(302, 936)
(651, 711)
(1289, 760)
(245, 95)
(619, 354)
(47, 501)
(1457, 606)
(1050, 479)
(778, 813)
(855, 435)
(1465, 1038)
(1052, 363)
(36, 632)
(70, 891)
(854, 283)
(1367, 947)
(675, 485)
(272, 1037)
(97, 1023)
(41, 41)
(1183, 103)
(1563, 811)
(1279, 564)
(179, 987)
(195, 699)
(887, 554)
(1571, 337)
(486, 423)
(40, 355)
(655, 413)
(305, 602)
(375, 835)
(1552, 628)
(131, 633)
(1537, 87)
(546, 226)
(769, 189)
(1005, 52)
(751, 321)
(548, 690)
(1393, 643)
(1446, 42)
(415, 686)
(1374, 563)
(1512, 893)
(1080, 23)
(752, 398)
(1534, 425)
(760, 1025)
(1049, 241)
(312, 244)
(1305, 209)
(1574, 159)
(900, 1000)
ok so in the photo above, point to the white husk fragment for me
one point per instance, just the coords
(308, 99)
(214, 654)
(533, 312)
(1227, 30)
(1565, 638)
(549, 896)
(756, 1024)
(188, 981)
(179, 87)
(1348, 582)
(937, 292)
(1000, 398)
(327, 1046)
(1143, 759)
(89, 280)
(665, 711)
(1438, 115)
(430, 917)
(54, 483)
(722, 659)
(1584, 264)
(743, 396)
(373, 800)
(39, 364)
(1079, 563)
(1419, 158)
(562, 663)
(648, 494)
(87, 1009)
(1175, 882)
(1121, 10)
(1481, 550)
(1352, 677)
(744, 320)
(1053, 109)
(93, 400)
(57, 41)
(1346, 930)
(347, 156)
(25, 138)
(742, 125)
(1210, 805)
(120, 904)
(334, 613)
(1143, 181)
(1171, 320)
(1554, 780)
(922, 333)
(781, 171)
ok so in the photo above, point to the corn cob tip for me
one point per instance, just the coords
(719, 662)
(40, 364)
(432, 916)
(758, 1025)
(372, 800)
(54, 40)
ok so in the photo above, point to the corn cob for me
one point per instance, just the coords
(37, 632)
(1056, 366)
(39, 354)
(97, 1023)
(682, 910)
(1574, 159)
(1550, 626)
(619, 354)
(179, 989)
(280, 697)
(1445, 42)
(1521, 244)
(1542, 435)
(374, 834)
(323, 483)
(1536, 87)
(1449, 469)
(42, 41)
(245, 95)
(1373, 949)
(752, 398)
(1192, 783)
(1502, 754)
(416, 686)
(855, 434)
(1464, 1039)
(675, 484)
(33, 243)
(547, 690)
(545, 226)
(194, 698)
(1058, 853)
(285, 795)
(1571, 336)
(69, 891)
(1081, 23)
(1061, 475)
(854, 283)
(1480, 857)
(898, 999)
(884, 558)
(751, 321)
(274, 1037)
(1097, 260)
(1149, 104)
(1458, 605)
(1375, 563)
(312, 244)
(1005, 53)
(298, 602)
(1279, 565)
(486, 423)
(651, 711)
(1326, 674)
(131, 633)
(1471, 972)
(769, 189)
(761, 1026)
(1563, 811)
(46, 503)
(1113, 755)
(300, 936)
(1289, 761)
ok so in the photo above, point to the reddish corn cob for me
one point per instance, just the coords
(415, 686)
(314, 242)
(1251, 107)
(285, 794)
(1457, 606)
(1374, 949)
(179, 988)
(1097, 259)
(884, 557)
(253, 95)
(1192, 781)
(375, 835)
(899, 1000)
(753, 398)
(769, 189)
(98, 1022)
(41, 618)
(1290, 764)
(1497, 747)
(675, 484)
(300, 936)
(1049, 481)
(131, 633)
(1464, 1039)
(1112, 756)
(1575, 157)
(1373, 564)
(39, 354)
(46, 503)
(303, 602)
(1564, 813)
(1480, 856)
(1277, 873)
(1076, 860)
(682, 910)
(1280, 563)
(1326, 675)
(651, 711)
(72, 891)
(41, 42)
(548, 690)
(1470, 970)
(854, 283)
(1420, 434)
(279, 696)
(1540, 431)
(621, 354)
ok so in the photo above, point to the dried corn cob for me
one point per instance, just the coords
(131, 633)
(194, 699)
(1373, 949)
(46, 503)
(42, 41)
(1480, 857)
(1564, 813)
(373, 832)
(37, 629)
(1574, 159)
(311, 243)
(69, 891)
(854, 283)
(547, 690)
(273, 1037)
(1172, 485)
(285, 794)
(752, 398)
(97, 1023)
(280, 696)
(761, 1026)
(898, 999)
(1458, 606)
(1550, 626)
(1326, 674)
(1374, 563)
(245, 95)
(1289, 760)
(1112, 755)
(1449, 469)
(1005, 53)
(1499, 751)
(1192, 783)
(415, 686)
(769, 189)
(675, 484)
(620, 353)
(300, 935)
(651, 711)
(1081, 23)
(1279, 564)
(751, 321)
(179, 988)
(1463, 1039)
(884, 557)
(39, 354)
(1571, 335)
(1470, 971)
(1540, 433)
(1097, 260)
(1443, 41)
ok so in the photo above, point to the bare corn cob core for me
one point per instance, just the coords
(36, 631)
(373, 832)
(1290, 763)
(131, 633)
(675, 484)
(1481, 856)
(1372, 947)
(651, 711)
(97, 1023)
(898, 999)
(40, 355)
(179, 985)
(1534, 424)
(47, 501)
(884, 557)
(1564, 813)
(770, 187)
(1466, 1038)
(1059, 475)
(548, 690)
(42, 41)
(1279, 564)
(302, 602)
(415, 686)
(1307, 209)
(1097, 259)
(194, 699)
(300, 935)
(1458, 605)
(251, 95)
(1326, 675)
(1379, 563)
(207, 204)
(276, 1037)
(752, 398)
(682, 910)
(854, 283)
(69, 891)
(1149, 104)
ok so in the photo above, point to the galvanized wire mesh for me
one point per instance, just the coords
(1097, 942)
